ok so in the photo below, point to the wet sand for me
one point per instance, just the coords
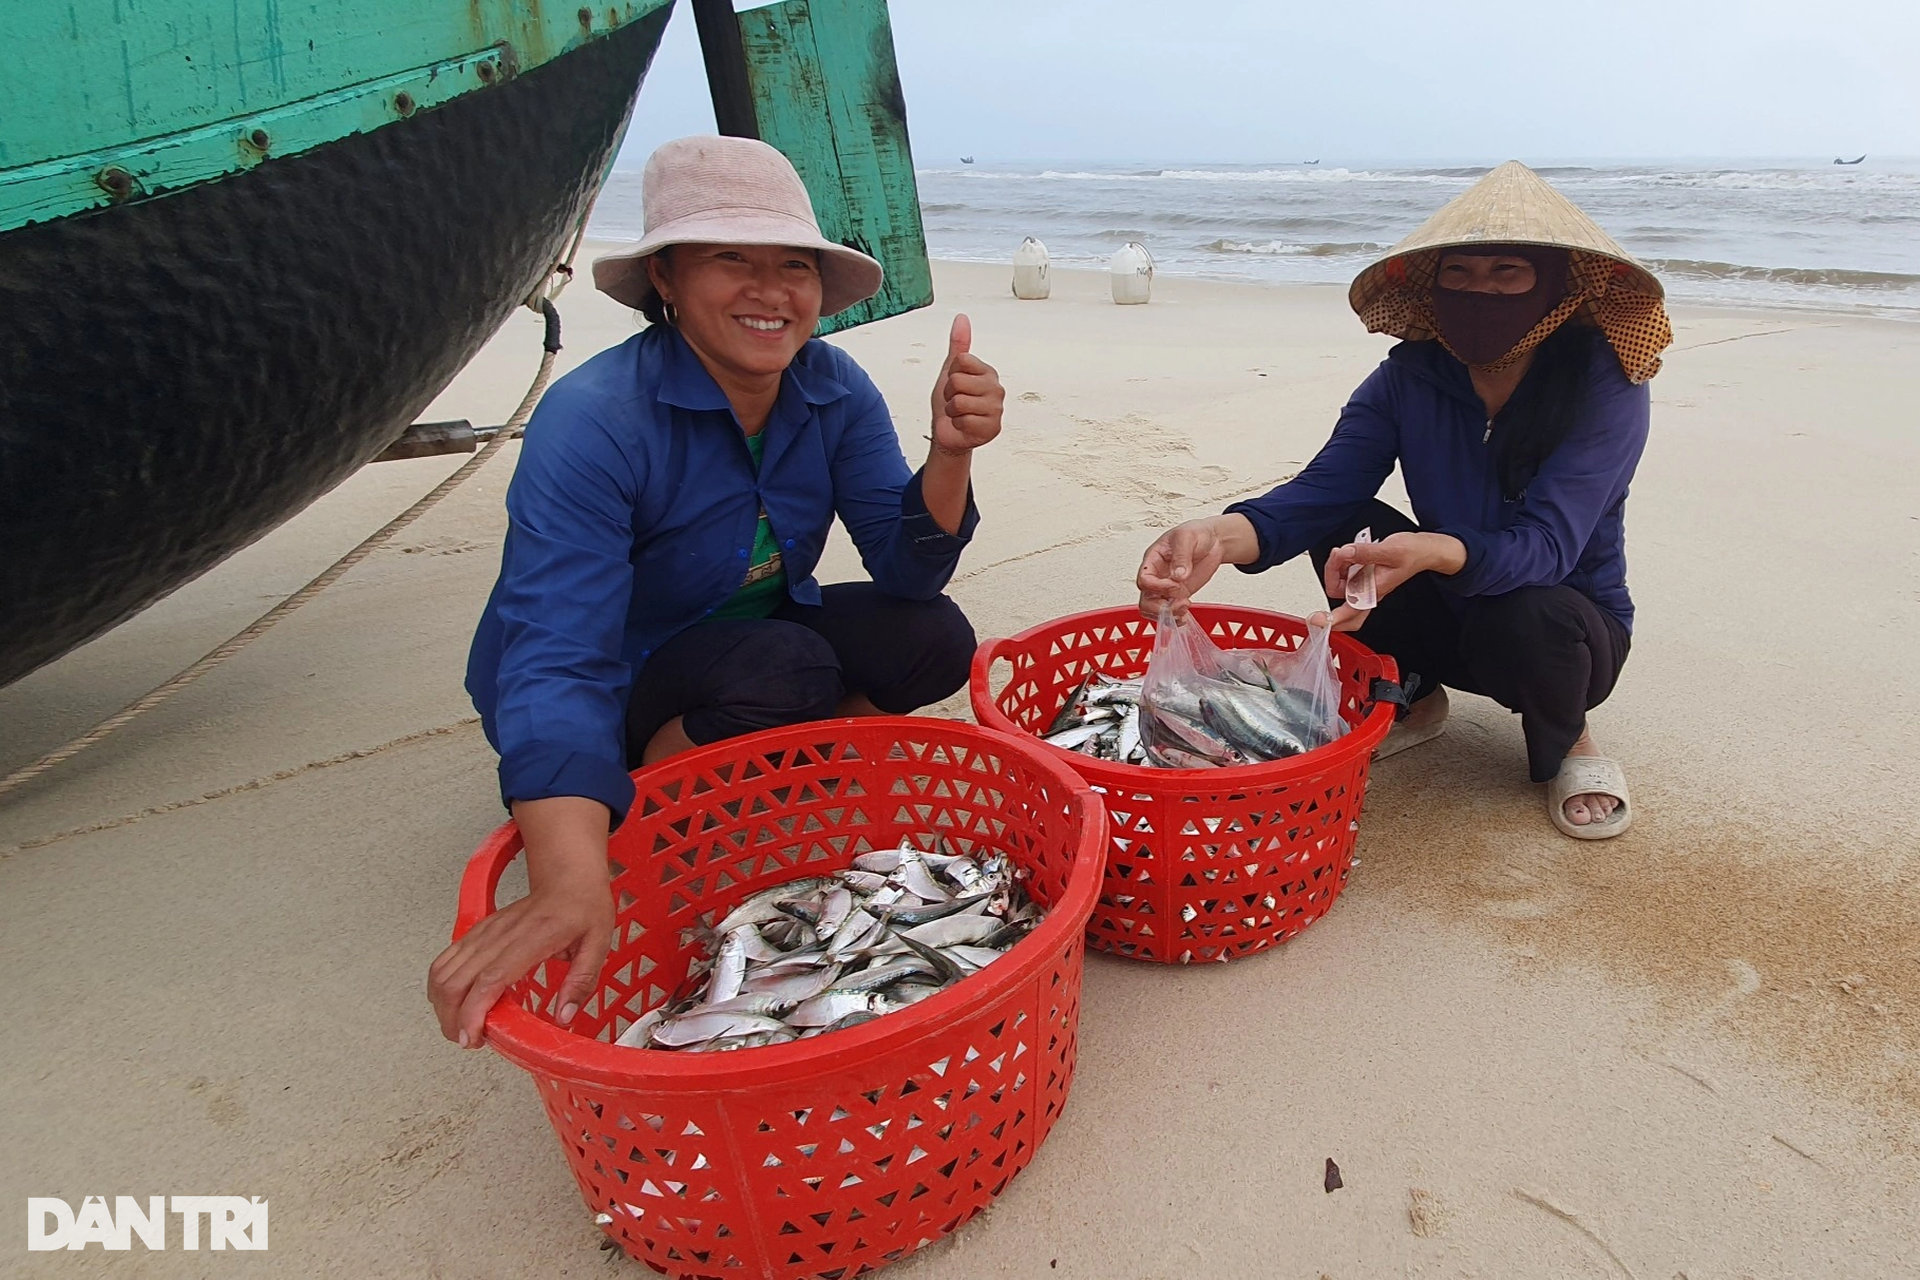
(1694, 1050)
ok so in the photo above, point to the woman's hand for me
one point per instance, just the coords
(1184, 559)
(567, 914)
(968, 400)
(1394, 559)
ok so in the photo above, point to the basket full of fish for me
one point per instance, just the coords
(826, 953)
(842, 1004)
(1233, 747)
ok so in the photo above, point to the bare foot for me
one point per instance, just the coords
(1584, 810)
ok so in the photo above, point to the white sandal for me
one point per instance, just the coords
(1589, 775)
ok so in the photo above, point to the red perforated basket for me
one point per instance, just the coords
(833, 1156)
(1205, 864)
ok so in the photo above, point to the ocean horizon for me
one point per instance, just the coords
(1803, 233)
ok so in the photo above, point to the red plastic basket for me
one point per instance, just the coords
(1206, 864)
(833, 1156)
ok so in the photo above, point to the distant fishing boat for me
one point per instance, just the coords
(1838, 160)
(244, 243)
(966, 159)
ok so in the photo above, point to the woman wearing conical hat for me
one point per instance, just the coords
(1516, 408)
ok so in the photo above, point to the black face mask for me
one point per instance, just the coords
(1480, 328)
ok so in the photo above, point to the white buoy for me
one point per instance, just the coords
(1030, 270)
(1132, 273)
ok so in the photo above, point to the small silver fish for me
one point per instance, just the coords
(883, 861)
(931, 910)
(950, 931)
(730, 968)
(755, 1040)
(914, 876)
(831, 1006)
(862, 881)
(851, 1020)
(834, 907)
(1072, 739)
(698, 1028)
(760, 905)
(640, 1032)
(972, 957)
(879, 977)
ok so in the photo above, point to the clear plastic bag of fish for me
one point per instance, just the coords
(1203, 707)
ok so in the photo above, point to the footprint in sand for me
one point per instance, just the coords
(1515, 890)
(1146, 466)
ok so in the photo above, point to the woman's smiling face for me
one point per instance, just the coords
(746, 308)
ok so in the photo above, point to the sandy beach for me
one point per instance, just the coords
(1693, 1051)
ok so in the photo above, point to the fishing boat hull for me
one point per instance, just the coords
(180, 374)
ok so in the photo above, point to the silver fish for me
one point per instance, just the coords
(831, 1006)
(784, 992)
(931, 910)
(730, 969)
(759, 950)
(944, 969)
(883, 861)
(1070, 706)
(851, 1020)
(852, 934)
(1129, 744)
(1075, 737)
(1191, 736)
(1175, 758)
(862, 881)
(950, 931)
(915, 878)
(758, 1039)
(1256, 730)
(880, 977)
(972, 957)
(698, 1028)
(834, 907)
(640, 1033)
(759, 907)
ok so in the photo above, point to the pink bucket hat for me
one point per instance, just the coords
(712, 190)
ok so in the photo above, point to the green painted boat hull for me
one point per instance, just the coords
(244, 242)
(185, 365)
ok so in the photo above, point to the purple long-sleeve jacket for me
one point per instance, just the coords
(1419, 409)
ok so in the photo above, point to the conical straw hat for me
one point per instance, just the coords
(1515, 205)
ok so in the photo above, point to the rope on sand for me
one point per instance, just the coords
(239, 788)
(133, 710)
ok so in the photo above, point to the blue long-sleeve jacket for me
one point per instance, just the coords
(631, 516)
(1419, 409)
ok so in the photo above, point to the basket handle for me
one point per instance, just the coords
(1397, 694)
(989, 652)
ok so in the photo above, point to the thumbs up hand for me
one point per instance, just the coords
(968, 400)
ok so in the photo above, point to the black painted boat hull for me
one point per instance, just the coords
(180, 375)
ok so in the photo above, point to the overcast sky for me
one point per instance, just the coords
(1348, 81)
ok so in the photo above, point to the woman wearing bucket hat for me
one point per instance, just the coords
(1516, 409)
(672, 499)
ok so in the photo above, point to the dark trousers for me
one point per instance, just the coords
(738, 675)
(1549, 653)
